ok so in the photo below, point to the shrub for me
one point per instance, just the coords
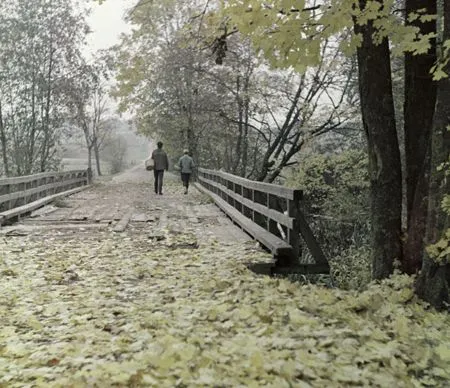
(351, 270)
(336, 198)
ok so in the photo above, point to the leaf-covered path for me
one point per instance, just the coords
(168, 302)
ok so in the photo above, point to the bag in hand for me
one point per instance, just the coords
(149, 164)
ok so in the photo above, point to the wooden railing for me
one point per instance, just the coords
(269, 213)
(21, 195)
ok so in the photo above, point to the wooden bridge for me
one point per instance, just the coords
(268, 213)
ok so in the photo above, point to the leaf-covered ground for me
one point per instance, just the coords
(97, 310)
(137, 309)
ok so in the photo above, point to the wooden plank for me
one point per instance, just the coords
(281, 191)
(302, 269)
(116, 214)
(122, 224)
(277, 246)
(91, 213)
(80, 213)
(264, 268)
(39, 227)
(37, 204)
(163, 221)
(59, 215)
(272, 214)
(270, 268)
(100, 214)
(44, 211)
(140, 217)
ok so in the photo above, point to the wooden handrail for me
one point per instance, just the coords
(29, 178)
(280, 218)
(270, 207)
(269, 188)
(17, 192)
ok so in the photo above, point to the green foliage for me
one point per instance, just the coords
(440, 250)
(438, 69)
(352, 268)
(291, 33)
(336, 203)
(336, 184)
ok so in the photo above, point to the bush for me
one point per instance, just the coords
(336, 205)
(351, 270)
(336, 198)
(115, 153)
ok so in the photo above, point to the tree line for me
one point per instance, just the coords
(49, 91)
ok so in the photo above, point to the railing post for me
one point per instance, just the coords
(294, 233)
(8, 191)
(253, 200)
(234, 190)
(52, 182)
(5, 190)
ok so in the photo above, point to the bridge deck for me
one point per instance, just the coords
(128, 204)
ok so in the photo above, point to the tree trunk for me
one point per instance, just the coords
(89, 143)
(433, 283)
(90, 157)
(97, 157)
(46, 145)
(4, 143)
(245, 139)
(375, 86)
(238, 151)
(29, 156)
(420, 100)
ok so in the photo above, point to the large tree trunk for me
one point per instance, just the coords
(420, 100)
(377, 107)
(433, 284)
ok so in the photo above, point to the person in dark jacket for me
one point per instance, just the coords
(187, 166)
(161, 163)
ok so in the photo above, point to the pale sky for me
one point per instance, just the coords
(107, 23)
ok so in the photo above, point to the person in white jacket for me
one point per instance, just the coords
(187, 165)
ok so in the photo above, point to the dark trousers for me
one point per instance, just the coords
(185, 178)
(159, 175)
